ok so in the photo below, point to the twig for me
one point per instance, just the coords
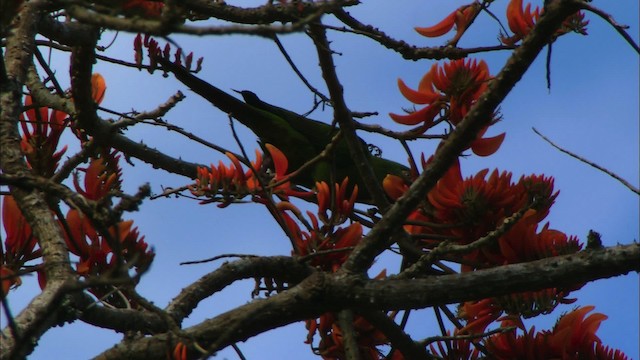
(295, 69)
(306, 258)
(619, 28)
(218, 257)
(608, 172)
(170, 191)
(238, 351)
(433, 339)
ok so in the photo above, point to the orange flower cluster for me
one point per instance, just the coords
(465, 210)
(42, 128)
(101, 176)
(573, 337)
(468, 209)
(480, 314)
(226, 184)
(95, 250)
(521, 21)
(19, 244)
(449, 91)
(324, 241)
(336, 202)
(41, 132)
(326, 245)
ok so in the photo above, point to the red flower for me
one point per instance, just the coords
(477, 204)
(42, 128)
(394, 186)
(179, 352)
(522, 243)
(461, 18)
(20, 242)
(40, 141)
(341, 207)
(98, 87)
(521, 21)
(8, 279)
(486, 146)
(461, 82)
(331, 346)
(100, 177)
(226, 184)
(530, 345)
(472, 207)
(574, 334)
(573, 337)
(449, 91)
(478, 315)
(330, 247)
(460, 349)
(96, 256)
(281, 178)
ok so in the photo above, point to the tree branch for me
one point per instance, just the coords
(279, 267)
(580, 158)
(322, 292)
(39, 315)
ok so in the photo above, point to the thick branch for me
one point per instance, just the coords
(108, 135)
(264, 14)
(281, 267)
(68, 33)
(39, 315)
(321, 292)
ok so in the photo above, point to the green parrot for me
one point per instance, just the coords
(299, 138)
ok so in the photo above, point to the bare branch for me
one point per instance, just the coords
(588, 162)
(621, 29)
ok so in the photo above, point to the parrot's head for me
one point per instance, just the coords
(249, 97)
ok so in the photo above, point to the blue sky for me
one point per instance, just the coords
(592, 109)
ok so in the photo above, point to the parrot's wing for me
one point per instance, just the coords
(299, 138)
(269, 128)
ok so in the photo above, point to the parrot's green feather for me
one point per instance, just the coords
(299, 138)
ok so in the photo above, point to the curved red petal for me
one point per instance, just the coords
(280, 161)
(424, 115)
(98, 87)
(394, 186)
(417, 97)
(440, 28)
(487, 146)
